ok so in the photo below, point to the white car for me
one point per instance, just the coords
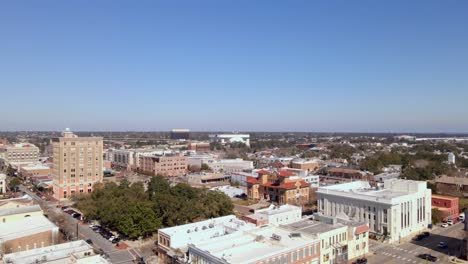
(444, 225)
(450, 222)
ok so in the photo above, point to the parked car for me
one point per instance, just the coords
(450, 222)
(425, 234)
(89, 241)
(115, 240)
(418, 238)
(428, 257)
(444, 225)
(461, 217)
(442, 245)
(360, 261)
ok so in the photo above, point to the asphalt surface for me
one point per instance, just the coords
(70, 224)
(407, 250)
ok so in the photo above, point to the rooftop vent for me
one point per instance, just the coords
(276, 237)
(295, 235)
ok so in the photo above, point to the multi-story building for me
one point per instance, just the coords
(448, 205)
(22, 152)
(269, 244)
(230, 138)
(78, 252)
(341, 240)
(452, 186)
(2, 183)
(280, 187)
(199, 147)
(77, 164)
(230, 165)
(178, 134)
(399, 209)
(173, 241)
(451, 158)
(305, 164)
(166, 165)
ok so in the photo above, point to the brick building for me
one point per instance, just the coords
(447, 205)
(199, 147)
(166, 165)
(453, 186)
(307, 165)
(279, 187)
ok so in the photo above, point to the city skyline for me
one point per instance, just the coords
(322, 66)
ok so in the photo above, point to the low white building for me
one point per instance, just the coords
(275, 215)
(399, 209)
(2, 183)
(174, 241)
(230, 191)
(230, 138)
(78, 252)
(313, 180)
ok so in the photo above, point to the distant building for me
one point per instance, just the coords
(2, 183)
(405, 137)
(180, 134)
(18, 202)
(230, 138)
(312, 180)
(77, 164)
(261, 245)
(452, 186)
(231, 165)
(173, 242)
(22, 152)
(34, 170)
(199, 147)
(275, 215)
(78, 252)
(303, 164)
(166, 165)
(399, 209)
(447, 205)
(451, 158)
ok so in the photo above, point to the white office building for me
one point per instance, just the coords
(451, 158)
(399, 209)
(230, 138)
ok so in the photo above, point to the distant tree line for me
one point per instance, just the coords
(134, 212)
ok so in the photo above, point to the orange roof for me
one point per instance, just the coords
(287, 185)
(262, 172)
(285, 173)
(445, 197)
(361, 229)
(251, 180)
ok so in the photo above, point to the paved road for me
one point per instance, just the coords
(406, 252)
(70, 224)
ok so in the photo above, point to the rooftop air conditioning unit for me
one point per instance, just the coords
(276, 237)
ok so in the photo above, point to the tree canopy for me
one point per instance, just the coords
(134, 212)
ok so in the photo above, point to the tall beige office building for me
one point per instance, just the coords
(77, 164)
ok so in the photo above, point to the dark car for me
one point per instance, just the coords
(115, 240)
(360, 261)
(89, 241)
(425, 234)
(418, 238)
(428, 257)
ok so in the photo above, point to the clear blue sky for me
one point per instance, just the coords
(234, 65)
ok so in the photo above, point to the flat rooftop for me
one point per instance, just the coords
(25, 227)
(312, 228)
(393, 188)
(20, 210)
(55, 254)
(257, 244)
(273, 210)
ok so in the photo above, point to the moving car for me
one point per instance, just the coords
(428, 257)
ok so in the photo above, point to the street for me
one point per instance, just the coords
(69, 225)
(408, 250)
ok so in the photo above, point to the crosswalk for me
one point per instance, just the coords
(403, 257)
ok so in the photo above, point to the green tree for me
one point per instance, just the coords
(14, 183)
